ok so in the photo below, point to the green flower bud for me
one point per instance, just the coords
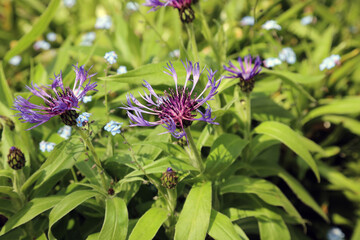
(16, 158)
(169, 178)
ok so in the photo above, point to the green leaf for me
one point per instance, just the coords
(8, 191)
(195, 216)
(291, 139)
(5, 92)
(351, 124)
(152, 73)
(224, 152)
(295, 79)
(149, 224)
(38, 28)
(265, 170)
(265, 190)
(6, 173)
(116, 220)
(221, 228)
(348, 105)
(167, 147)
(30, 211)
(66, 205)
(259, 144)
(263, 108)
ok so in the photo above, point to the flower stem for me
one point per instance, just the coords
(247, 130)
(105, 93)
(192, 39)
(196, 160)
(97, 161)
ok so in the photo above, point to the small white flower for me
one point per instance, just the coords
(307, 20)
(103, 22)
(247, 21)
(86, 99)
(46, 146)
(335, 233)
(15, 60)
(121, 70)
(41, 45)
(330, 62)
(51, 37)
(132, 6)
(287, 55)
(175, 53)
(111, 57)
(272, 62)
(69, 3)
(65, 132)
(271, 24)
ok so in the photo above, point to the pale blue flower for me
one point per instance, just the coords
(69, 3)
(103, 22)
(307, 20)
(88, 38)
(46, 146)
(247, 21)
(113, 127)
(41, 45)
(83, 119)
(111, 57)
(86, 99)
(272, 62)
(65, 132)
(15, 60)
(271, 24)
(121, 70)
(330, 62)
(335, 233)
(51, 37)
(287, 55)
(175, 53)
(132, 6)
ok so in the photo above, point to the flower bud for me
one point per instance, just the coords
(16, 158)
(169, 178)
(8, 123)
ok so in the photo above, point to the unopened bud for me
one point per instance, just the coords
(169, 178)
(16, 158)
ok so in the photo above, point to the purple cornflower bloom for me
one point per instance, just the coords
(176, 109)
(58, 100)
(186, 13)
(247, 72)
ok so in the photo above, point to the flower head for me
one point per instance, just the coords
(65, 132)
(307, 20)
(272, 62)
(111, 57)
(15, 60)
(87, 39)
(175, 53)
(121, 70)
(16, 158)
(175, 109)
(83, 119)
(335, 233)
(41, 45)
(169, 178)
(186, 13)
(271, 24)
(247, 72)
(51, 37)
(86, 99)
(46, 146)
(132, 6)
(103, 22)
(247, 21)
(58, 100)
(330, 62)
(113, 127)
(287, 55)
(69, 3)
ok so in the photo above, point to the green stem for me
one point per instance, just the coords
(247, 130)
(105, 93)
(97, 161)
(196, 160)
(192, 39)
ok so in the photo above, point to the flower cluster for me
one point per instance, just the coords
(83, 119)
(65, 132)
(103, 22)
(113, 127)
(330, 62)
(111, 57)
(46, 146)
(176, 109)
(58, 100)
